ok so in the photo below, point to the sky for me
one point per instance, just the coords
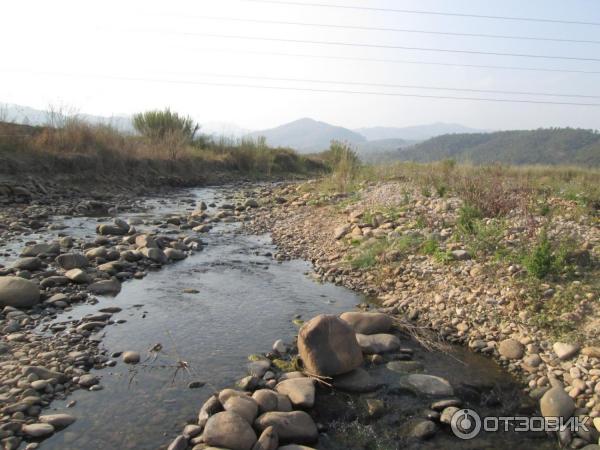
(119, 57)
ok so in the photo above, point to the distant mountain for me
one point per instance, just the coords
(381, 150)
(414, 133)
(31, 116)
(308, 135)
(543, 146)
(226, 129)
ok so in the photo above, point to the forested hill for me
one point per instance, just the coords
(543, 146)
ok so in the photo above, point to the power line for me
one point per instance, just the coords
(316, 90)
(400, 61)
(398, 30)
(391, 85)
(434, 13)
(396, 47)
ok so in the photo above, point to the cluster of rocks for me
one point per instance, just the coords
(466, 302)
(274, 410)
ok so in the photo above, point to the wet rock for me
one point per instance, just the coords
(131, 357)
(378, 343)
(174, 254)
(556, 403)
(109, 229)
(291, 427)
(38, 430)
(280, 347)
(41, 249)
(155, 254)
(18, 292)
(105, 287)
(511, 349)
(88, 380)
(328, 346)
(258, 368)
(229, 430)
(301, 391)
(375, 407)
(447, 414)
(422, 429)
(564, 350)
(57, 420)
(28, 263)
(428, 384)
(268, 440)
(358, 381)
(179, 443)
(367, 322)
(405, 367)
(70, 261)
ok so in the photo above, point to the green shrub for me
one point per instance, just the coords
(467, 219)
(158, 125)
(541, 260)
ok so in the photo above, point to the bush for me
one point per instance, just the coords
(541, 260)
(344, 163)
(159, 125)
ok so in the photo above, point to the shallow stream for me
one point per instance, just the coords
(245, 301)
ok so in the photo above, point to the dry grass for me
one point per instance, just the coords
(77, 148)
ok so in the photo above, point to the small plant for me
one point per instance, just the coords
(467, 217)
(541, 261)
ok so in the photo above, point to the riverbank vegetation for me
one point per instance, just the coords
(166, 145)
(538, 223)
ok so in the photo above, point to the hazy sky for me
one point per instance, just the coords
(101, 57)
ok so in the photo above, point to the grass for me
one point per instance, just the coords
(384, 250)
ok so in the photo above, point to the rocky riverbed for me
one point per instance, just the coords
(133, 305)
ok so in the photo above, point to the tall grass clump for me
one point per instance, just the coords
(344, 163)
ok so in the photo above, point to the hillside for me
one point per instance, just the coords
(414, 133)
(308, 135)
(543, 146)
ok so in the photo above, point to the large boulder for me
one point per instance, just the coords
(368, 322)
(292, 427)
(70, 261)
(556, 403)
(227, 429)
(18, 292)
(328, 346)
